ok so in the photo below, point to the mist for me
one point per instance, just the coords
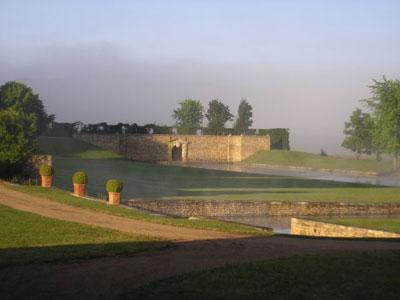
(94, 83)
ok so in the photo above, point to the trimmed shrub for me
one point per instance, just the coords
(46, 170)
(114, 186)
(80, 177)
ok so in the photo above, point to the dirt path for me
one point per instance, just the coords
(109, 278)
(52, 209)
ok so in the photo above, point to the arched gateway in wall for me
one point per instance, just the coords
(178, 150)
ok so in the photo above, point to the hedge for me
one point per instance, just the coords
(279, 137)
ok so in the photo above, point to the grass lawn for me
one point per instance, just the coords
(61, 196)
(373, 275)
(378, 223)
(65, 146)
(153, 181)
(315, 161)
(30, 238)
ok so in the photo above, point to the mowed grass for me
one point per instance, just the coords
(373, 275)
(74, 148)
(61, 196)
(377, 223)
(154, 181)
(315, 161)
(30, 238)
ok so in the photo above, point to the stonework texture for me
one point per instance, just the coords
(209, 208)
(158, 147)
(314, 228)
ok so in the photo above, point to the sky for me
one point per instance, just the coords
(302, 65)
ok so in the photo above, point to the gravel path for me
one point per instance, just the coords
(52, 209)
(108, 278)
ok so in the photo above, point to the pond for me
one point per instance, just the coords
(278, 224)
(282, 225)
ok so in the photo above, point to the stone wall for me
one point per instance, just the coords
(157, 147)
(314, 228)
(187, 208)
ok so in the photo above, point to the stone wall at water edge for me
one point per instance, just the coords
(210, 208)
(196, 148)
(314, 228)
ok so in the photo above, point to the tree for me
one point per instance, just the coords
(19, 97)
(217, 115)
(359, 132)
(189, 115)
(244, 118)
(385, 104)
(17, 140)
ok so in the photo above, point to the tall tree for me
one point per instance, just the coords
(217, 115)
(189, 114)
(385, 104)
(19, 97)
(244, 119)
(359, 132)
(17, 141)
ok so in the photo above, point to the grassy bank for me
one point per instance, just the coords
(377, 223)
(60, 196)
(314, 161)
(65, 146)
(373, 275)
(30, 238)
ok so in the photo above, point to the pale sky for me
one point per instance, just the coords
(302, 65)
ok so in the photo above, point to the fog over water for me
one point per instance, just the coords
(305, 70)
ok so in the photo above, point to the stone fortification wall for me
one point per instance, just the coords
(157, 147)
(314, 228)
(209, 208)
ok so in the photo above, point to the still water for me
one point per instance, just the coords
(278, 224)
(384, 180)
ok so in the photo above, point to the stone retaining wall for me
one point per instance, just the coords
(314, 228)
(187, 208)
(157, 147)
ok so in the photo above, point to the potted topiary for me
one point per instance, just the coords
(79, 179)
(46, 173)
(114, 188)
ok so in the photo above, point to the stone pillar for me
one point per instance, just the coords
(184, 152)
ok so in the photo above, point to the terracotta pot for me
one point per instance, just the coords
(79, 189)
(47, 181)
(114, 198)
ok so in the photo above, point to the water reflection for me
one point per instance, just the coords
(384, 180)
(278, 224)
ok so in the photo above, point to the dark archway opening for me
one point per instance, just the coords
(177, 153)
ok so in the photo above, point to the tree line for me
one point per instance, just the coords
(190, 114)
(378, 130)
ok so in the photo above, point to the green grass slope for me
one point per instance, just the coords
(30, 238)
(314, 161)
(60, 196)
(66, 146)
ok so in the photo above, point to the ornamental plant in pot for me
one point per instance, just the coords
(114, 188)
(79, 179)
(46, 173)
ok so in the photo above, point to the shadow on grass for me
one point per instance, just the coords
(60, 281)
(64, 253)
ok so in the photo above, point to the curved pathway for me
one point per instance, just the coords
(52, 209)
(108, 278)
